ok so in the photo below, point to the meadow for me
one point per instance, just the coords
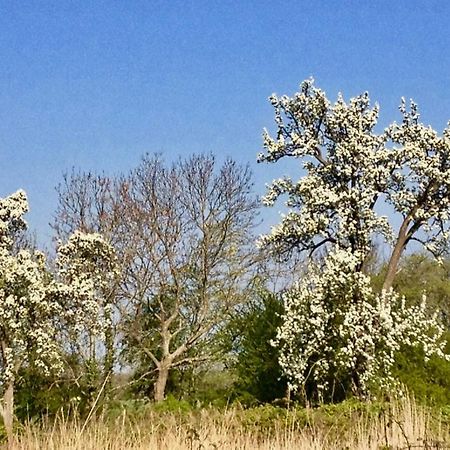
(401, 424)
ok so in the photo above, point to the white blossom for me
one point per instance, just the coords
(335, 325)
(34, 302)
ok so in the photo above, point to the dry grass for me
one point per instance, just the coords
(403, 425)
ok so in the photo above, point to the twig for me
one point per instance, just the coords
(94, 404)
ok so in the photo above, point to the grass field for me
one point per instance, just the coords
(400, 425)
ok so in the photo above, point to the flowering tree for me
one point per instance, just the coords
(343, 335)
(34, 303)
(350, 171)
(88, 267)
(92, 204)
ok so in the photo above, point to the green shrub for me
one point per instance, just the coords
(429, 381)
(259, 378)
(172, 405)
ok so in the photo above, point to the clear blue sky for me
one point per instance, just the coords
(95, 84)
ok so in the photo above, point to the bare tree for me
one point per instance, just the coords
(193, 249)
(184, 234)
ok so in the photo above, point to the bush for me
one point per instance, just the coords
(429, 381)
(259, 378)
(172, 405)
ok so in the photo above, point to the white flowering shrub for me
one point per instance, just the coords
(26, 315)
(86, 267)
(337, 333)
(336, 329)
(35, 304)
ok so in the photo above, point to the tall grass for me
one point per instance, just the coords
(400, 425)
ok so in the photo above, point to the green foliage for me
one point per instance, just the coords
(419, 274)
(134, 409)
(429, 381)
(38, 396)
(259, 376)
(172, 405)
(264, 418)
(337, 417)
(181, 381)
(214, 386)
(208, 385)
(74, 391)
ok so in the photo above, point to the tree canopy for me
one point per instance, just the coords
(333, 317)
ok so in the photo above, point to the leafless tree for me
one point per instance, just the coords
(193, 249)
(184, 234)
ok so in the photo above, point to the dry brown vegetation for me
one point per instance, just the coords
(401, 425)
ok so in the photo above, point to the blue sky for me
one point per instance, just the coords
(95, 84)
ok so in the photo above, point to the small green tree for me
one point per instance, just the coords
(255, 359)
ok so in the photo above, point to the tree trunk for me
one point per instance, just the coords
(108, 363)
(160, 384)
(7, 411)
(392, 267)
(395, 256)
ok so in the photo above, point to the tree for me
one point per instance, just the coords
(192, 230)
(91, 203)
(184, 236)
(351, 171)
(253, 358)
(35, 304)
(90, 263)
